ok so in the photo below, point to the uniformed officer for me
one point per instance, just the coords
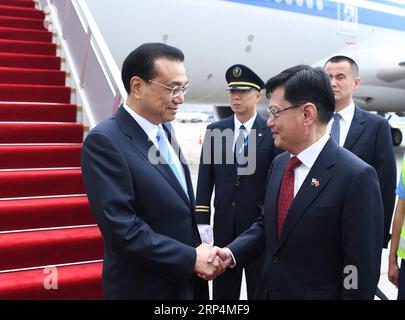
(236, 155)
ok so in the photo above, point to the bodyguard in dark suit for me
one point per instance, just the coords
(365, 134)
(238, 196)
(142, 198)
(321, 224)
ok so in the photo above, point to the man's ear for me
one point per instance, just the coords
(310, 113)
(136, 85)
(259, 96)
(356, 83)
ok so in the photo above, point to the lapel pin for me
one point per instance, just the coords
(260, 134)
(315, 182)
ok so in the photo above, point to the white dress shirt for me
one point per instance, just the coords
(248, 127)
(151, 130)
(308, 158)
(345, 121)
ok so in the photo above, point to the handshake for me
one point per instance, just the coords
(211, 261)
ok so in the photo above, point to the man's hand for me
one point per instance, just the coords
(224, 254)
(208, 266)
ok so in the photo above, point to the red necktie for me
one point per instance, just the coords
(286, 195)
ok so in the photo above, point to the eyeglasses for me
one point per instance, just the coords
(174, 91)
(274, 111)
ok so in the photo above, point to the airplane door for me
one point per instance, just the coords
(347, 19)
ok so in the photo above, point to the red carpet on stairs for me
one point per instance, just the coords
(74, 282)
(47, 156)
(39, 183)
(45, 213)
(29, 47)
(32, 76)
(41, 133)
(45, 217)
(49, 247)
(28, 60)
(20, 3)
(38, 112)
(23, 23)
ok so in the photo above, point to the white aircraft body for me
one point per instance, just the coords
(268, 36)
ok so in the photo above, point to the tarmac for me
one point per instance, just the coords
(190, 137)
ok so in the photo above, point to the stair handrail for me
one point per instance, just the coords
(93, 68)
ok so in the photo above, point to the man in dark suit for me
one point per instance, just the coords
(239, 175)
(321, 225)
(365, 134)
(139, 187)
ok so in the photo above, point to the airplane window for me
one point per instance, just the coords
(310, 4)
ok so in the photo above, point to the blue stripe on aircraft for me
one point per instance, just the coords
(329, 10)
(390, 3)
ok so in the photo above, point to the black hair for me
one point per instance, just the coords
(141, 61)
(353, 64)
(304, 84)
(281, 78)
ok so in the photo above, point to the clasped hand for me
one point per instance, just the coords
(211, 261)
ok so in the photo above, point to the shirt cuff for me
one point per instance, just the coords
(233, 263)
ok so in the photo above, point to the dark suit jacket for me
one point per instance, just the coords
(238, 199)
(370, 139)
(329, 227)
(144, 215)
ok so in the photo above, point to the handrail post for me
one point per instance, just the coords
(85, 58)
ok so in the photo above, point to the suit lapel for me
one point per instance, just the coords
(356, 128)
(309, 191)
(273, 191)
(141, 142)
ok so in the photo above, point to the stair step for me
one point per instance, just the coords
(28, 47)
(45, 213)
(41, 132)
(53, 112)
(25, 34)
(14, 11)
(18, 3)
(40, 183)
(17, 60)
(29, 157)
(22, 23)
(32, 76)
(41, 248)
(78, 282)
(34, 93)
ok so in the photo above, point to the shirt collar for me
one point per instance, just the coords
(347, 113)
(150, 128)
(248, 124)
(310, 154)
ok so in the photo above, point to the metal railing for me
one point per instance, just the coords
(94, 70)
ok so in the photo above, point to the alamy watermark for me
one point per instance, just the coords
(351, 279)
(218, 148)
(51, 278)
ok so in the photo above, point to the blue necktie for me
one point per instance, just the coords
(240, 157)
(163, 144)
(335, 130)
